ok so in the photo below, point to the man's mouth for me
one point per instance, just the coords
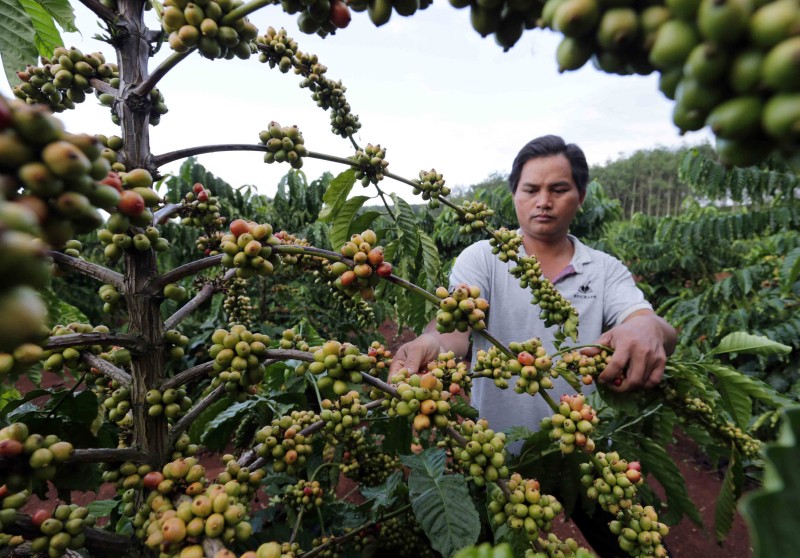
(543, 217)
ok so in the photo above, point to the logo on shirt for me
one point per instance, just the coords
(585, 291)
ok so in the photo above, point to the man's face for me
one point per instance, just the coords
(547, 198)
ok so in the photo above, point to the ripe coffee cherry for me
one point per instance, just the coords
(131, 203)
(197, 188)
(239, 227)
(384, 269)
(340, 14)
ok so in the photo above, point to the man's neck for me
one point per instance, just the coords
(553, 256)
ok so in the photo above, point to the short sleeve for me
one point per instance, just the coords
(622, 296)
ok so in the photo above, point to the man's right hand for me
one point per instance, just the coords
(415, 355)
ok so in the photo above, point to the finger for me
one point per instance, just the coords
(614, 369)
(604, 339)
(398, 361)
(657, 373)
(634, 375)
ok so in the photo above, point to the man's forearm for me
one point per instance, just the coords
(457, 341)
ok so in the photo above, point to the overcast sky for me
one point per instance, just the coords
(428, 88)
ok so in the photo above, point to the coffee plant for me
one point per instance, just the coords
(295, 409)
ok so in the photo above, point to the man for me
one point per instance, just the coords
(548, 181)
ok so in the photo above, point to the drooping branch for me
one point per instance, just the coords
(287, 354)
(106, 368)
(165, 213)
(100, 10)
(187, 376)
(152, 80)
(89, 269)
(99, 541)
(194, 412)
(128, 340)
(171, 156)
(107, 455)
(104, 87)
(156, 284)
(205, 293)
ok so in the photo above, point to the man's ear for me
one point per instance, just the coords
(582, 197)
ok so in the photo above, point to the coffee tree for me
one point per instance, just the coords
(336, 413)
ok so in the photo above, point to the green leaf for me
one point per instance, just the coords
(62, 12)
(431, 264)
(47, 36)
(732, 380)
(364, 221)
(342, 220)
(729, 494)
(790, 270)
(102, 508)
(217, 432)
(441, 503)
(736, 401)
(336, 194)
(657, 462)
(17, 47)
(460, 407)
(59, 311)
(198, 427)
(771, 511)
(384, 495)
(741, 342)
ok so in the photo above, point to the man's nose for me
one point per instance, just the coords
(544, 200)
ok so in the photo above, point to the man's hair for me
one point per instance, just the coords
(547, 146)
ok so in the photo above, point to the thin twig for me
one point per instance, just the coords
(152, 80)
(208, 290)
(187, 376)
(106, 368)
(243, 11)
(156, 284)
(89, 269)
(128, 340)
(380, 384)
(181, 426)
(171, 156)
(165, 213)
(297, 525)
(107, 455)
(100, 10)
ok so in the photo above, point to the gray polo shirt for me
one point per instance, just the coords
(599, 286)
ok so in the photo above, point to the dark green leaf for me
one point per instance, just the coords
(745, 343)
(217, 433)
(384, 495)
(102, 508)
(59, 311)
(62, 12)
(17, 47)
(364, 221)
(460, 407)
(729, 494)
(656, 461)
(198, 427)
(336, 194)
(790, 270)
(47, 36)
(441, 503)
(340, 230)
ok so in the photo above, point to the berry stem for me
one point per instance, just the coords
(297, 526)
(208, 290)
(156, 284)
(150, 82)
(185, 377)
(244, 10)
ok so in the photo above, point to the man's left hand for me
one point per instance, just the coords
(640, 346)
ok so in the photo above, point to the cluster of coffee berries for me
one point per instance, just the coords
(304, 495)
(380, 12)
(284, 144)
(363, 460)
(587, 367)
(461, 309)
(403, 536)
(640, 533)
(368, 266)
(248, 248)
(237, 358)
(56, 174)
(495, 364)
(237, 304)
(11, 500)
(177, 519)
(553, 546)
(29, 456)
(63, 80)
(282, 443)
(453, 373)
(292, 253)
(483, 456)
(699, 410)
(276, 48)
(380, 358)
(572, 424)
(175, 343)
(370, 164)
(343, 363)
(116, 239)
(208, 27)
(420, 397)
(61, 530)
(184, 447)
(615, 486)
(556, 310)
(110, 296)
(200, 208)
(526, 508)
(431, 186)
(172, 403)
(472, 216)
(115, 400)
(274, 550)
(534, 365)
(343, 415)
(56, 359)
(291, 340)
(505, 244)
(176, 292)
